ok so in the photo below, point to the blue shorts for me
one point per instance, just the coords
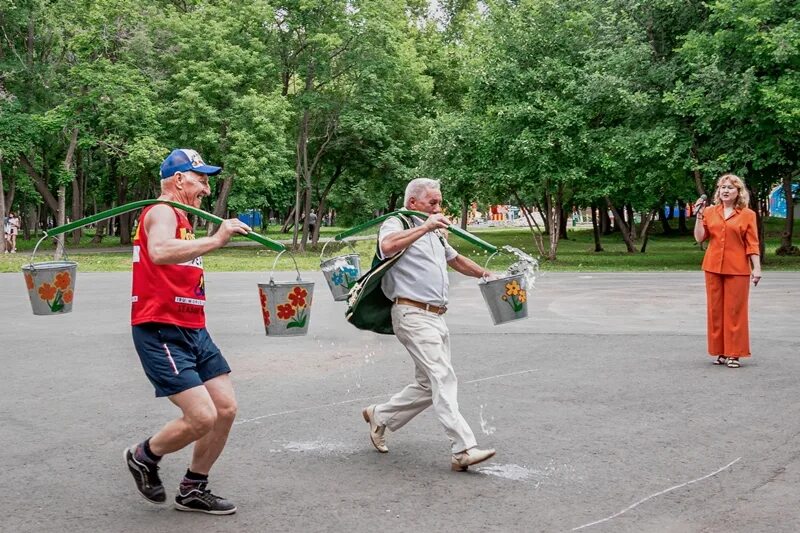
(176, 359)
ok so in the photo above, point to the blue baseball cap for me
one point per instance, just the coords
(182, 160)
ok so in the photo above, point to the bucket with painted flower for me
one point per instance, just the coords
(50, 284)
(286, 305)
(506, 297)
(341, 272)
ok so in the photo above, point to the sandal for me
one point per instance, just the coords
(720, 360)
(733, 362)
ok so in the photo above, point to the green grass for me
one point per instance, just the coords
(664, 253)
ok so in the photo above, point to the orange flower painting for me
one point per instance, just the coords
(56, 295)
(47, 292)
(62, 280)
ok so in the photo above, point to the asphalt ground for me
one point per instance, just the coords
(606, 413)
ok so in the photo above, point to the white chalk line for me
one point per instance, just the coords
(345, 402)
(658, 494)
(502, 376)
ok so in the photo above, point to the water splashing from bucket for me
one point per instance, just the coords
(507, 295)
(525, 265)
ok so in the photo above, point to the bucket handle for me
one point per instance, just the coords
(58, 243)
(271, 280)
(484, 277)
(348, 243)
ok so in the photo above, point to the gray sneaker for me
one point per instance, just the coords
(198, 498)
(145, 474)
(377, 433)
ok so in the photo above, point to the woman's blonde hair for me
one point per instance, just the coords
(743, 199)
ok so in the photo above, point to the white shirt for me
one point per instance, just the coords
(421, 274)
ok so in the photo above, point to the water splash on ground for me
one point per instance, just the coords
(551, 473)
(319, 447)
(507, 471)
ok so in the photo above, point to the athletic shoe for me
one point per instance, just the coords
(145, 474)
(196, 497)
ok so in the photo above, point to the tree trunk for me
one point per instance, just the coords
(536, 233)
(554, 211)
(2, 206)
(77, 200)
(392, 202)
(27, 221)
(288, 222)
(562, 224)
(7, 200)
(626, 236)
(545, 217)
(124, 219)
(323, 197)
(303, 167)
(40, 183)
(698, 177)
(754, 198)
(786, 247)
(99, 228)
(648, 218)
(631, 221)
(682, 229)
(61, 215)
(60, 221)
(306, 213)
(464, 212)
(221, 205)
(598, 247)
(666, 229)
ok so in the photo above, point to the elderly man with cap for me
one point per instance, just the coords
(169, 333)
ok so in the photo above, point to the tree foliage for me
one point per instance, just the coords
(624, 105)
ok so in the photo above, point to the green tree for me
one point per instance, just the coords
(740, 88)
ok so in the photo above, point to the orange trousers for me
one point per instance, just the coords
(728, 316)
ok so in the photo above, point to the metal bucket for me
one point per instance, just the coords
(50, 284)
(506, 298)
(340, 272)
(286, 305)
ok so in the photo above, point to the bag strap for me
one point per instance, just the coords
(407, 223)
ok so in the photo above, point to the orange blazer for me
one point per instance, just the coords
(731, 241)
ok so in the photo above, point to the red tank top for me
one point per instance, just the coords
(170, 294)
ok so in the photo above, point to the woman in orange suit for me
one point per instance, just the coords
(731, 261)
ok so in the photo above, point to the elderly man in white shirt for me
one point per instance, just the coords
(417, 283)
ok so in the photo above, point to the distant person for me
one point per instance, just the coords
(169, 333)
(312, 222)
(13, 231)
(730, 227)
(418, 285)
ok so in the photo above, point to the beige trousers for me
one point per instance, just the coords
(427, 339)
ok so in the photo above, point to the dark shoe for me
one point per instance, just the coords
(377, 433)
(720, 360)
(198, 498)
(145, 474)
(463, 460)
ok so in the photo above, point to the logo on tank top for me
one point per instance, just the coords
(200, 290)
